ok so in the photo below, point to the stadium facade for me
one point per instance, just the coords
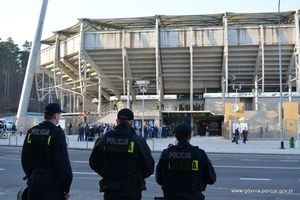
(208, 70)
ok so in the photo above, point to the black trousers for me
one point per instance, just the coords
(122, 196)
(45, 194)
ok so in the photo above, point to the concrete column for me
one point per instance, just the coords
(28, 79)
(99, 97)
(225, 53)
(157, 57)
(74, 101)
(191, 70)
(124, 62)
(256, 93)
(82, 66)
(56, 65)
(290, 87)
(158, 70)
(297, 44)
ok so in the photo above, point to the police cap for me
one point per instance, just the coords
(52, 108)
(125, 114)
(182, 131)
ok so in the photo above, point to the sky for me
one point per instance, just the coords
(19, 18)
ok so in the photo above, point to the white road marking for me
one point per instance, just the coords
(86, 178)
(85, 173)
(5, 158)
(257, 167)
(252, 160)
(289, 160)
(215, 158)
(80, 161)
(1, 169)
(255, 179)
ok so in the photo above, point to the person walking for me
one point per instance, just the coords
(245, 135)
(123, 160)
(45, 159)
(236, 135)
(184, 170)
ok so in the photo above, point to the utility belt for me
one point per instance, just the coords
(105, 185)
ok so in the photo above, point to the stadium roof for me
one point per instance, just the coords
(177, 21)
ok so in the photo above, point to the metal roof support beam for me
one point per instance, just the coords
(28, 79)
(191, 70)
(297, 59)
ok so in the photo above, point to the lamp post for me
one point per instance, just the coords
(143, 86)
(280, 82)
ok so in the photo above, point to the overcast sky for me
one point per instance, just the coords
(18, 18)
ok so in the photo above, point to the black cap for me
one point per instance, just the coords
(125, 114)
(182, 130)
(52, 108)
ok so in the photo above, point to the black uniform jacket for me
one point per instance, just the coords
(45, 156)
(143, 158)
(207, 175)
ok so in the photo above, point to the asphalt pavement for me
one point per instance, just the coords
(239, 176)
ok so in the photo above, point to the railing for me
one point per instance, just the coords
(152, 143)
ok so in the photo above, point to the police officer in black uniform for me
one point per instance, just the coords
(123, 160)
(184, 170)
(45, 159)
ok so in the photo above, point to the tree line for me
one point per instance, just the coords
(13, 62)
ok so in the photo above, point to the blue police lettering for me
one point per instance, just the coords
(116, 141)
(180, 155)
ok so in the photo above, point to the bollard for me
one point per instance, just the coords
(292, 142)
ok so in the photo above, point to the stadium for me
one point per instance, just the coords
(215, 71)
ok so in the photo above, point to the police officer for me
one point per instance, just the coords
(123, 160)
(45, 158)
(184, 170)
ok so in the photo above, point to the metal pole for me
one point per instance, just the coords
(128, 94)
(235, 105)
(143, 105)
(280, 82)
(28, 79)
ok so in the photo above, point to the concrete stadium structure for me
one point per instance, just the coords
(225, 65)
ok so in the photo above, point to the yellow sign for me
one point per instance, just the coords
(131, 147)
(195, 166)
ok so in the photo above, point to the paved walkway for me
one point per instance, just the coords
(209, 144)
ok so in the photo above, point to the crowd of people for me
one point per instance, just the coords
(90, 133)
